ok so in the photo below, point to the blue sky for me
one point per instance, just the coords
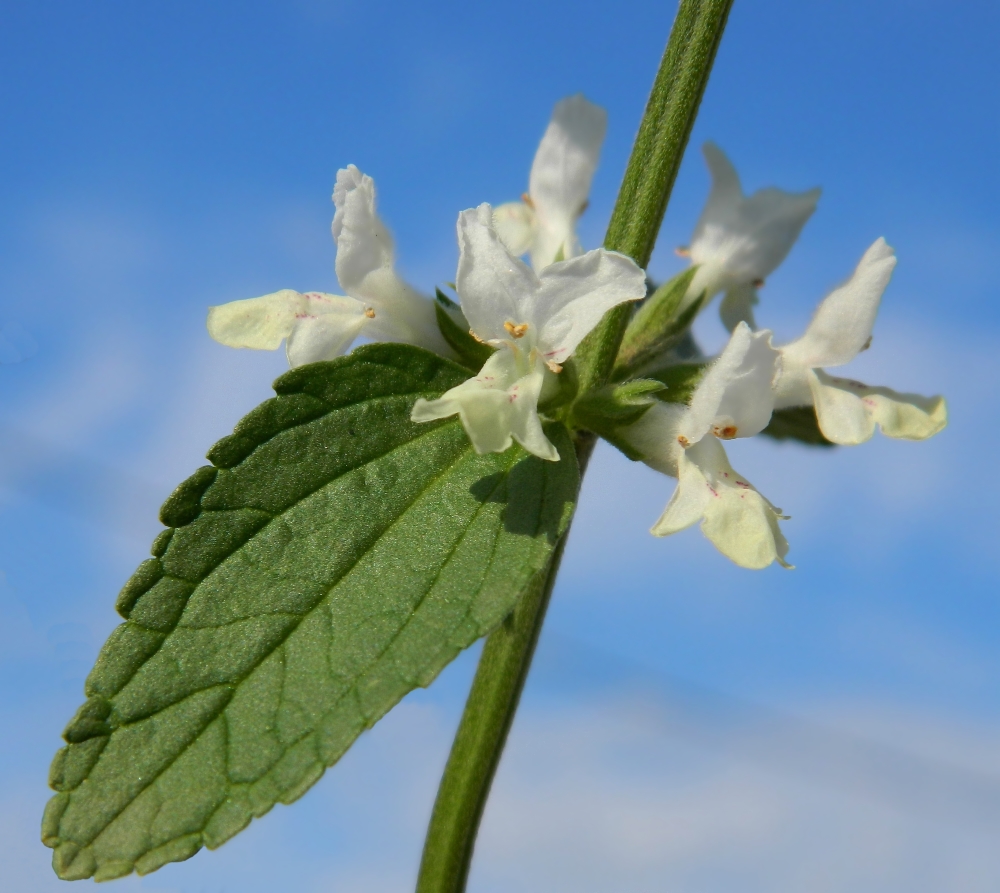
(689, 726)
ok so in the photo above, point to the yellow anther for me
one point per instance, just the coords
(528, 200)
(516, 331)
(555, 367)
(370, 312)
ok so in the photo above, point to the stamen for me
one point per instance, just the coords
(728, 432)
(682, 251)
(370, 312)
(555, 367)
(683, 441)
(474, 335)
(517, 331)
(528, 200)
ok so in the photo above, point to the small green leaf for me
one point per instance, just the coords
(657, 325)
(455, 329)
(334, 557)
(609, 409)
(796, 423)
(679, 380)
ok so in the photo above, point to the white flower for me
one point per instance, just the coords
(535, 321)
(319, 326)
(543, 224)
(733, 399)
(848, 410)
(739, 241)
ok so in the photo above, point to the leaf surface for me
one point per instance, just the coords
(333, 557)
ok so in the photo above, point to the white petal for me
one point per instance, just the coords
(654, 436)
(525, 424)
(259, 323)
(575, 294)
(741, 523)
(495, 287)
(744, 239)
(365, 268)
(515, 224)
(687, 503)
(363, 242)
(401, 313)
(734, 397)
(848, 411)
(325, 329)
(737, 306)
(842, 325)
(495, 408)
(564, 167)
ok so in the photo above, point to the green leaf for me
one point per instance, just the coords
(657, 326)
(796, 423)
(471, 352)
(333, 557)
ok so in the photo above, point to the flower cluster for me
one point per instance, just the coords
(534, 317)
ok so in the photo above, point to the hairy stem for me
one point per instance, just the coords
(652, 167)
(503, 667)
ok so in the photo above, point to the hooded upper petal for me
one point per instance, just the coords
(743, 239)
(495, 287)
(561, 175)
(363, 242)
(848, 411)
(842, 325)
(365, 267)
(739, 521)
(735, 397)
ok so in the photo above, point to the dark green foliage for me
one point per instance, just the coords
(610, 409)
(333, 557)
(679, 380)
(657, 327)
(797, 423)
(455, 329)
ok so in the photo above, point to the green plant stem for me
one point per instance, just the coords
(652, 167)
(475, 753)
(506, 658)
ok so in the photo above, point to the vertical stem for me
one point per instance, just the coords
(475, 753)
(506, 658)
(652, 167)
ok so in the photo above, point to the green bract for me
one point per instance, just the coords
(333, 557)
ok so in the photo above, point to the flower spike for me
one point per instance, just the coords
(534, 320)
